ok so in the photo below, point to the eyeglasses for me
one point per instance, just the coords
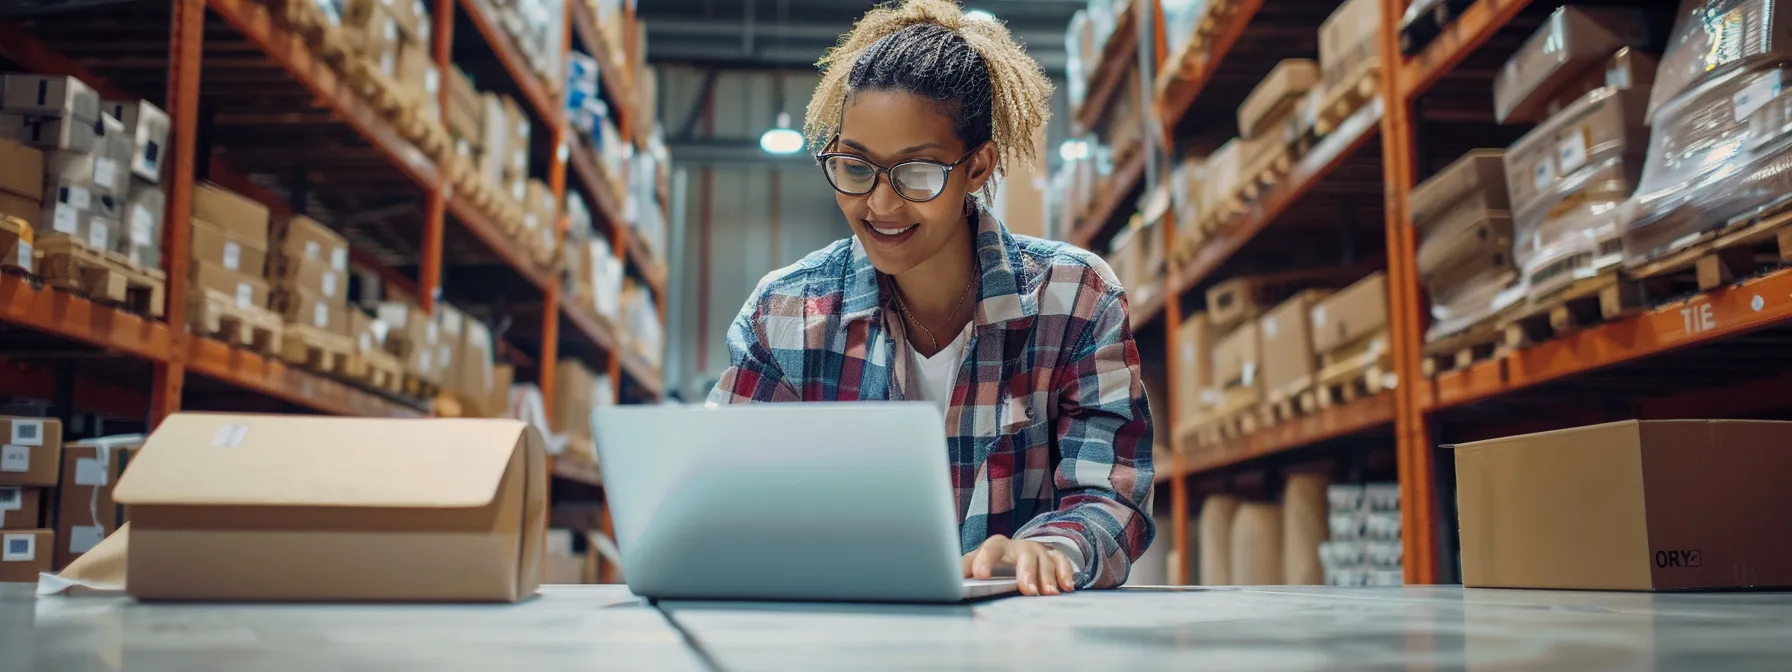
(915, 180)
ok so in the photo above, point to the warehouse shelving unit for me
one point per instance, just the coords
(280, 110)
(1713, 353)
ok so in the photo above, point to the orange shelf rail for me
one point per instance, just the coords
(1126, 178)
(259, 373)
(597, 185)
(541, 97)
(1117, 55)
(1198, 68)
(70, 316)
(501, 244)
(1359, 416)
(1350, 136)
(1471, 29)
(587, 322)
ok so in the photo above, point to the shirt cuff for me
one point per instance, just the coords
(1067, 547)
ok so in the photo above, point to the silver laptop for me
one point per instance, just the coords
(819, 501)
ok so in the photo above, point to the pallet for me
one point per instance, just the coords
(1745, 248)
(1582, 303)
(216, 314)
(315, 349)
(419, 388)
(103, 277)
(1259, 179)
(1478, 343)
(1350, 95)
(374, 370)
(375, 86)
(1361, 368)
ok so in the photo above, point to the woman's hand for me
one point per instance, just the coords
(1038, 569)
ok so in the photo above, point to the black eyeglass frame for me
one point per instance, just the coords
(882, 172)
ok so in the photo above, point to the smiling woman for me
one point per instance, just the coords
(1023, 345)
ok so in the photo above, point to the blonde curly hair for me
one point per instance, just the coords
(986, 82)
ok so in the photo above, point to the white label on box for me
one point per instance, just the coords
(530, 222)
(245, 295)
(320, 315)
(25, 256)
(143, 226)
(233, 255)
(1188, 353)
(90, 471)
(1542, 174)
(105, 173)
(339, 259)
(379, 329)
(80, 198)
(66, 220)
(15, 458)
(1764, 88)
(1319, 317)
(423, 362)
(230, 436)
(18, 548)
(312, 250)
(366, 341)
(1250, 373)
(11, 499)
(99, 235)
(82, 538)
(1572, 152)
(1270, 330)
(430, 333)
(27, 433)
(329, 284)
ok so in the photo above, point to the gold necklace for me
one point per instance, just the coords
(901, 306)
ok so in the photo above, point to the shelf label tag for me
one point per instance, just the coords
(27, 433)
(233, 255)
(15, 458)
(18, 548)
(1698, 319)
(1542, 174)
(1758, 93)
(312, 250)
(1270, 330)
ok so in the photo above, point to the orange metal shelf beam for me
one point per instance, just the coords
(1185, 89)
(596, 184)
(501, 244)
(651, 267)
(1358, 416)
(1125, 178)
(75, 318)
(540, 96)
(1350, 136)
(1117, 55)
(248, 370)
(1462, 37)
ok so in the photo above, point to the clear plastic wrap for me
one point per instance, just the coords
(1471, 303)
(1720, 152)
(1567, 180)
(1712, 38)
(1573, 41)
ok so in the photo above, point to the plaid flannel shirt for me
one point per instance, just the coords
(1050, 385)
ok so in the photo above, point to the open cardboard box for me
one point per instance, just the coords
(264, 507)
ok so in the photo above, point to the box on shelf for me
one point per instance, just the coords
(21, 508)
(574, 395)
(442, 510)
(475, 377)
(1353, 313)
(414, 336)
(1224, 166)
(147, 126)
(241, 216)
(373, 30)
(310, 276)
(496, 145)
(1194, 370)
(140, 228)
(214, 245)
(1593, 148)
(1573, 40)
(516, 146)
(302, 238)
(21, 170)
(1236, 357)
(49, 132)
(31, 453)
(248, 290)
(466, 111)
(1478, 175)
(1715, 39)
(1275, 97)
(86, 512)
(53, 96)
(1637, 505)
(1348, 41)
(1288, 361)
(302, 306)
(418, 80)
(24, 554)
(451, 326)
(1238, 300)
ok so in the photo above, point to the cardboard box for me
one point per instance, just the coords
(21, 508)
(1627, 69)
(1480, 172)
(476, 378)
(1236, 301)
(412, 19)
(50, 133)
(313, 277)
(113, 154)
(494, 140)
(262, 507)
(21, 170)
(30, 451)
(1276, 96)
(1649, 505)
(247, 290)
(217, 246)
(1473, 231)
(24, 554)
(1194, 368)
(466, 110)
(516, 158)
(147, 126)
(233, 212)
(374, 32)
(27, 209)
(1352, 313)
(368, 338)
(1236, 357)
(1572, 41)
(1288, 362)
(85, 511)
(300, 306)
(1603, 125)
(62, 219)
(301, 237)
(1348, 40)
(452, 325)
(574, 396)
(50, 96)
(140, 230)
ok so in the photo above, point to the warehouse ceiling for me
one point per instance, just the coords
(756, 34)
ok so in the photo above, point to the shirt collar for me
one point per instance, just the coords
(999, 296)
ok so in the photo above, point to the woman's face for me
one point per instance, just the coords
(888, 127)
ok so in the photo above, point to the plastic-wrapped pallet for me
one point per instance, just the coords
(1464, 224)
(1257, 545)
(1720, 148)
(1215, 539)
(1573, 41)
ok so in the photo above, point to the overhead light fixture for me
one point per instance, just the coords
(782, 140)
(1073, 150)
(979, 15)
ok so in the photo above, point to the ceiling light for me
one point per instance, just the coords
(1073, 150)
(782, 140)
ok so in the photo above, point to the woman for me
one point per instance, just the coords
(1024, 344)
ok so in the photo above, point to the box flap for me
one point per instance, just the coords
(278, 460)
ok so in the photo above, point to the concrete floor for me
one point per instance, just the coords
(605, 628)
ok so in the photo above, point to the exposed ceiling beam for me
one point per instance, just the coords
(725, 56)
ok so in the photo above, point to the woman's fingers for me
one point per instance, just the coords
(1026, 570)
(983, 565)
(1048, 571)
(1066, 574)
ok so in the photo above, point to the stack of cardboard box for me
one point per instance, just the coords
(230, 251)
(1233, 307)
(466, 117)
(1195, 393)
(1268, 124)
(21, 191)
(30, 461)
(541, 217)
(641, 322)
(415, 338)
(309, 274)
(1350, 333)
(392, 36)
(86, 512)
(1465, 242)
(505, 163)
(575, 393)
(1289, 362)
(1349, 60)
(140, 230)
